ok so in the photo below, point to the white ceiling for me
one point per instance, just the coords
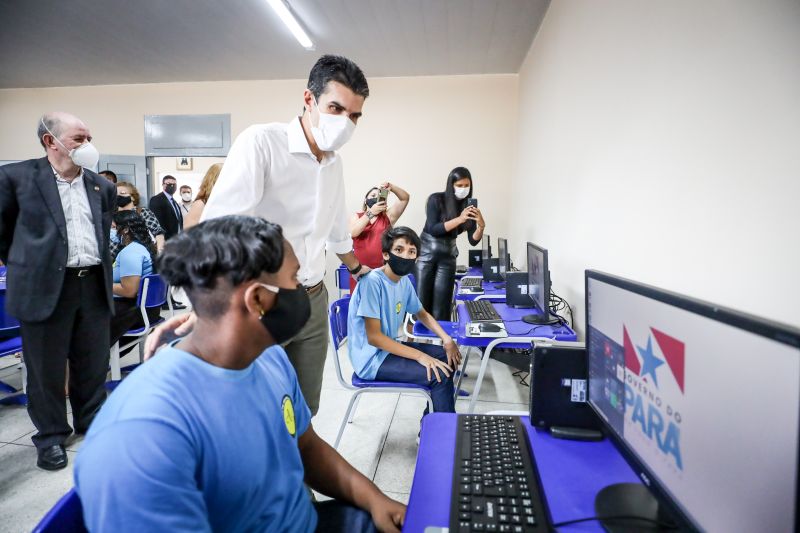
(49, 43)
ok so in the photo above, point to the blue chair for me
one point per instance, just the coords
(343, 280)
(66, 516)
(338, 323)
(13, 348)
(153, 292)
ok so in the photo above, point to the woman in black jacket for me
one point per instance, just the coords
(447, 216)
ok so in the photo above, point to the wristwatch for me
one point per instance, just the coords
(356, 270)
(370, 216)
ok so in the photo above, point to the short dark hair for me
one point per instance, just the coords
(399, 232)
(185, 187)
(109, 174)
(167, 177)
(211, 259)
(339, 69)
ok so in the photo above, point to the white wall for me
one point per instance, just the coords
(414, 130)
(660, 141)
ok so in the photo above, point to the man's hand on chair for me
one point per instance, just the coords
(453, 354)
(174, 328)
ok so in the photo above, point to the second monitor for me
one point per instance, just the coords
(539, 286)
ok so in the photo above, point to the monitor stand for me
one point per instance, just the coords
(540, 320)
(631, 500)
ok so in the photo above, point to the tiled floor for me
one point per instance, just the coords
(381, 441)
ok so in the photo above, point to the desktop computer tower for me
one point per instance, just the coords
(517, 290)
(559, 387)
(475, 258)
(491, 270)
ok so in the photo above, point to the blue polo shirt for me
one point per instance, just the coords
(376, 296)
(133, 260)
(183, 445)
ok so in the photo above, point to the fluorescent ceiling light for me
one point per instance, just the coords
(288, 19)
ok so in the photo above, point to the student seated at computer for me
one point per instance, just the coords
(377, 310)
(213, 433)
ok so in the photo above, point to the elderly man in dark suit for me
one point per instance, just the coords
(166, 209)
(55, 222)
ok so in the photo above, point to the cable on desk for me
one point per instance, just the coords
(663, 525)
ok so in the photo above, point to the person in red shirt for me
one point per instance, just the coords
(368, 225)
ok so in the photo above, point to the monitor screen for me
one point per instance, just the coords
(703, 402)
(486, 249)
(502, 257)
(538, 278)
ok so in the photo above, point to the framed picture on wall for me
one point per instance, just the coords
(183, 163)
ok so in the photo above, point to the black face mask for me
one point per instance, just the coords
(400, 265)
(123, 201)
(170, 189)
(370, 202)
(290, 313)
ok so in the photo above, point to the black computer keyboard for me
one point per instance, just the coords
(471, 282)
(495, 483)
(482, 311)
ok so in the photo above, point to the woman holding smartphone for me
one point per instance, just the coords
(448, 214)
(368, 225)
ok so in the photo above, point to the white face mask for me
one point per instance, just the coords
(186, 197)
(461, 192)
(333, 131)
(85, 155)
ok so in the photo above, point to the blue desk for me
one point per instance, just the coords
(10, 343)
(490, 292)
(520, 335)
(572, 473)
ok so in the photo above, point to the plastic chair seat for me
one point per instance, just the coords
(363, 383)
(139, 331)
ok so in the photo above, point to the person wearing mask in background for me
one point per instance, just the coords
(109, 175)
(134, 260)
(239, 459)
(375, 217)
(291, 174)
(55, 222)
(447, 216)
(377, 309)
(128, 200)
(166, 209)
(209, 180)
(186, 201)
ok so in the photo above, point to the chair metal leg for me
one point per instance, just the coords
(141, 350)
(463, 371)
(355, 406)
(484, 363)
(347, 417)
(116, 373)
(24, 373)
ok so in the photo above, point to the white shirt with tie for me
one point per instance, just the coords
(271, 172)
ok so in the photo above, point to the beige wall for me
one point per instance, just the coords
(661, 141)
(414, 130)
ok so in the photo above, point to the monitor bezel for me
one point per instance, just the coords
(502, 258)
(545, 260)
(779, 332)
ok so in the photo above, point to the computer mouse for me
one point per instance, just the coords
(489, 327)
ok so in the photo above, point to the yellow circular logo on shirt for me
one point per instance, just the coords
(397, 308)
(288, 415)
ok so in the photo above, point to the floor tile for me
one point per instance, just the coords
(396, 467)
(14, 422)
(28, 492)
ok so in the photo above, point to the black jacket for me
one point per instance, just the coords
(165, 214)
(33, 235)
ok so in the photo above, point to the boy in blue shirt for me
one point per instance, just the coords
(216, 435)
(377, 310)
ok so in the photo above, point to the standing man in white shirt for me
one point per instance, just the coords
(290, 174)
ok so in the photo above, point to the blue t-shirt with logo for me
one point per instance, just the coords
(133, 260)
(183, 445)
(376, 296)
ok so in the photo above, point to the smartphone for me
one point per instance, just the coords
(472, 202)
(383, 194)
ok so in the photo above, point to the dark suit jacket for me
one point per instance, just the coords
(165, 214)
(33, 235)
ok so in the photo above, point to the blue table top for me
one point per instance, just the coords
(490, 292)
(572, 473)
(512, 318)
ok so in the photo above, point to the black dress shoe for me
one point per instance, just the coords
(52, 458)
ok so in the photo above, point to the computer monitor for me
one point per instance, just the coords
(703, 402)
(502, 257)
(538, 285)
(486, 249)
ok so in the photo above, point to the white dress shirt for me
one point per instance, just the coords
(270, 172)
(82, 248)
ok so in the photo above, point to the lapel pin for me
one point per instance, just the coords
(96, 188)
